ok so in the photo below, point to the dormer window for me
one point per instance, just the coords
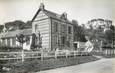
(64, 16)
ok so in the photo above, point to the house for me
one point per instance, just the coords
(79, 45)
(56, 31)
(9, 38)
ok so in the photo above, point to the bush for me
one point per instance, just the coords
(8, 48)
(107, 47)
(50, 63)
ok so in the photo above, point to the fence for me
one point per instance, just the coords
(109, 51)
(41, 55)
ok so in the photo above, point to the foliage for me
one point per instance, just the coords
(104, 32)
(1, 28)
(9, 48)
(28, 24)
(18, 24)
(79, 34)
(21, 39)
(112, 27)
(96, 23)
(109, 35)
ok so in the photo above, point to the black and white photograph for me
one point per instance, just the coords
(57, 36)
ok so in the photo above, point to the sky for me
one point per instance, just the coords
(80, 10)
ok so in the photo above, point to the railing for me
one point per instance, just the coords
(18, 55)
(41, 55)
(109, 51)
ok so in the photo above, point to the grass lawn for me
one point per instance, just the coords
(35, 65)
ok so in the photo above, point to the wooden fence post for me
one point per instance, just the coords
(42, 55)
(74, 54)
(55, 54)
(66, 54)
(22, 56)
(80, 53)
(113, 52)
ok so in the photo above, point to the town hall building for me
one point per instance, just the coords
(56, 31)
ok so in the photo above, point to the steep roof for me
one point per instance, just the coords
(51, 15)
(14, 33)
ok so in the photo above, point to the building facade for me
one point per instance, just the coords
(56, 31)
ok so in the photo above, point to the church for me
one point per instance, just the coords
(55, 30)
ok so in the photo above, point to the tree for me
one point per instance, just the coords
(75, 25)
(97, 23)
(21, 39)
(79, 34)
(109, 35)
(28, 24)
(102, 31)
(1, 28)
(9, 25)
(18, 24)
(75, 22)
(112, 27)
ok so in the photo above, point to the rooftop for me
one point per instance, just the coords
(14, 33)
(61, 17)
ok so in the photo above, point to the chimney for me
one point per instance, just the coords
(42, 6)
(65, 15)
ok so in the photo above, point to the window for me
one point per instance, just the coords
(8, 42)
(75, 45)
(3, 41)
(63, 28)
(56, 39)
(63, 40)
(68, 43)
(36, 26)
(14, 41)
(28, 40)
(69, 30)
(55, 26)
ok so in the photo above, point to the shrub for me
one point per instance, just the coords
(8, 48)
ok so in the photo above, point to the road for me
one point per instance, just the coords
(101, 66)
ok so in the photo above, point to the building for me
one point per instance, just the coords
(56, 31)
(8, 38)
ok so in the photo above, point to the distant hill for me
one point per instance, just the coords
(15, 25)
